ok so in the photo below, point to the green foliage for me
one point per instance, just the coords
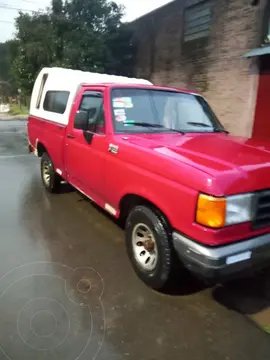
(15, 109)
(266, 329)
(80, 34)
(120, 51)
(4, 65)
(8, 53)
(34, 48)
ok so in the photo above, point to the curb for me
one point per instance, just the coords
(262, 319)
(5, 117)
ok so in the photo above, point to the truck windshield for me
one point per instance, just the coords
(146, 110)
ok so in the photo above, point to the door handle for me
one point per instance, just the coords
(71, 136)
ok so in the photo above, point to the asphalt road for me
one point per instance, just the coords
(67, 290)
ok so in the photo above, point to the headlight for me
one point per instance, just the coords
(239, 208)
(218, 212)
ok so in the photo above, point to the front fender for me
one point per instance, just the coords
(175, 201)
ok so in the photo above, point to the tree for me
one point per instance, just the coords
(81, 34)
(8, 53)
(90, 23)
(58, 29)
(34, 48)
(120, 51)
(4, 65)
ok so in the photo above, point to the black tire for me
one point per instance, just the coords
(53, 183)
(159, 277)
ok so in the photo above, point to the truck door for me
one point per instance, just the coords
(85, 151)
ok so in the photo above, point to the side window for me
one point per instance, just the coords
(56, 101)
(43, 82)
(92, 104)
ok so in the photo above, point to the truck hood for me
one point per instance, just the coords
(227, 159)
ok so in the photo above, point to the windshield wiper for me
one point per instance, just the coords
(149, 125)
(198, 124)
(220, 130)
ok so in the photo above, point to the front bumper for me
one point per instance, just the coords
(223, 261)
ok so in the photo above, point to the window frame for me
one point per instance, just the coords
(265, 27)
(152, 104)
(56, 91)
(41, 89)
(190, 5)
(89, 93)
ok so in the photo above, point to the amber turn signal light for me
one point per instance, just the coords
(211, 211)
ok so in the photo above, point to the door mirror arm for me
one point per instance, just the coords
(88, 136)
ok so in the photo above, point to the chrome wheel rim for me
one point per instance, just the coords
(46, 173)
(144, 247)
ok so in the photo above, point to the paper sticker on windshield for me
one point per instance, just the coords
(128, 102)
(121, 118)
(118, 104)
(123, 99)
(119, 112)
(125, 102)
(128, 105)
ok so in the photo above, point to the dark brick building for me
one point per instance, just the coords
(199, 44)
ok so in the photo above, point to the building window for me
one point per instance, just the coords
(197, 19)
(56, 101)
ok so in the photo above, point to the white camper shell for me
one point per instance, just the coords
(68, 81)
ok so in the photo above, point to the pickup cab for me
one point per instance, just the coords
(158, 159)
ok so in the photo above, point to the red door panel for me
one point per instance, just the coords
(261, 128)
(85, 163)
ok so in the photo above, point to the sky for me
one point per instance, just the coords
(134, 9)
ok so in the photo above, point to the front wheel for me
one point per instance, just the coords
(51, 180)
(149, 246)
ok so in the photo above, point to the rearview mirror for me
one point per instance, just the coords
(81, 120)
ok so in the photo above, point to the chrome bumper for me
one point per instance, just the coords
(227, 260)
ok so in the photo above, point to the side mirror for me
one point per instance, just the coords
(81, 120)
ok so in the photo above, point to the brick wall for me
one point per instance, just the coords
(213, 65)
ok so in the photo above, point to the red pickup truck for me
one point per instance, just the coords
(158, 159)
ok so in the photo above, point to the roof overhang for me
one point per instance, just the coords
(257, 52)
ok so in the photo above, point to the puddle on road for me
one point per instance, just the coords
(13, 144)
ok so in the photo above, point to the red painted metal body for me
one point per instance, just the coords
(168, 169)
(261, 128)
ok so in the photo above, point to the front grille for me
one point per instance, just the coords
(262, 210)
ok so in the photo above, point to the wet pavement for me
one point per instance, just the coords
(67, 290)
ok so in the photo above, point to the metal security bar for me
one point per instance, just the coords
(197, 19)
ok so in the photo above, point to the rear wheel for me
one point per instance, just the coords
(149, 246)
(51, 180)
